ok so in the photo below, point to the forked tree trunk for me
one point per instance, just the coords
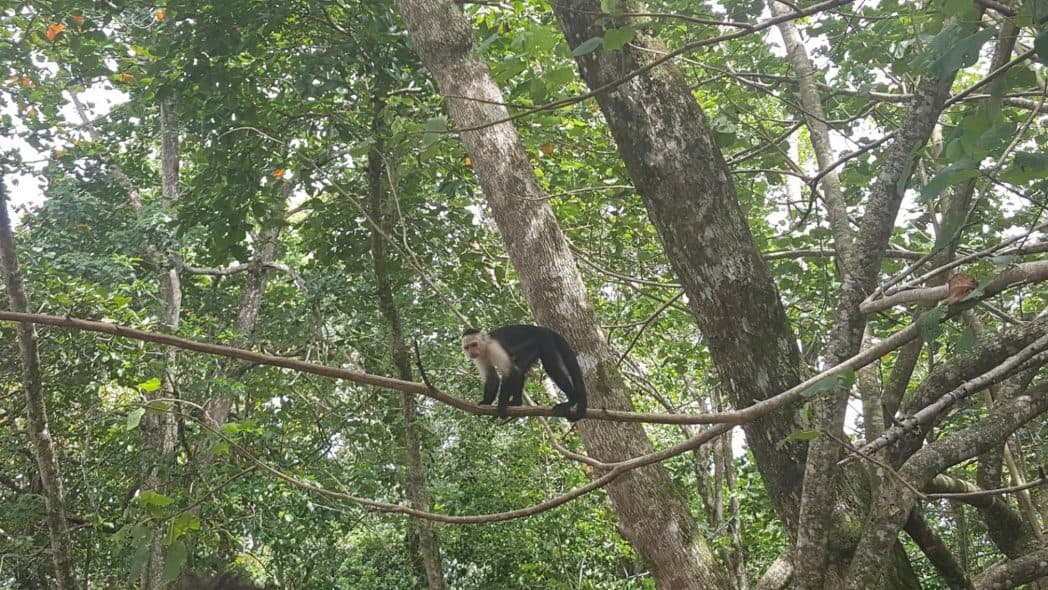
(653, 515)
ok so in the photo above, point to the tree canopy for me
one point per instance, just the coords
(798, 248)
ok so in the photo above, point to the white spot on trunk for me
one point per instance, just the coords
(587, 362)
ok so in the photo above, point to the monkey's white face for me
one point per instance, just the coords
(474, 346)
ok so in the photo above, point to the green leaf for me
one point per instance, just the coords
(1026, 166)
(980, 289)
(134, 418)
(150, 386)
(537, 90)
(361, 149)
(151, 498)
(587, 46)
(541, 39)
(965, 9)
(616, 39)
(1002, 262)
(950, 175)
(843, 379)
(612, 7)
(948, 230)
(138, 561)
(995, 137)
(1040, 47)
(801, 435)
(560, 76)
(184, 523)
(434, 130)
(221, 449)
(928, 323)
(174, 559)
(847, 377)
(962, 54)
(140, 534)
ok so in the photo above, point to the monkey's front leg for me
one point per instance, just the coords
(491, 389)
(511, 392)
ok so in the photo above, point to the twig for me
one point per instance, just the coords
(421, 369)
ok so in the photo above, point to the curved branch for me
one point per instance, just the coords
(747, 414)
(617, 470)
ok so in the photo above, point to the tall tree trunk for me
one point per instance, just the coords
(677, 168)
(159, 429)
(429, 544)
(860, 279)
(653, 515)
(36, 407)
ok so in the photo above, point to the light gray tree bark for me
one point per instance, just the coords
(815, 118)
(860, 276)
(653, 516)
(159, 430)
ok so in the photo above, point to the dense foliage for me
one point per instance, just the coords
(279, 106)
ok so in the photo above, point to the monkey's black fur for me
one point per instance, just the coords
(525, 346)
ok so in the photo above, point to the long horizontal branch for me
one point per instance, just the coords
(735, 417)
(972, 491)
(830, 253)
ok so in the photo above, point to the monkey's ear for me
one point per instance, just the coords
(471, 331)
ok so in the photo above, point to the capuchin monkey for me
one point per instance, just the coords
(513, 350)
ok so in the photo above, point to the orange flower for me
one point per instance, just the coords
(125, 77)
(160, 15)
(278, 173)
(54, 30)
